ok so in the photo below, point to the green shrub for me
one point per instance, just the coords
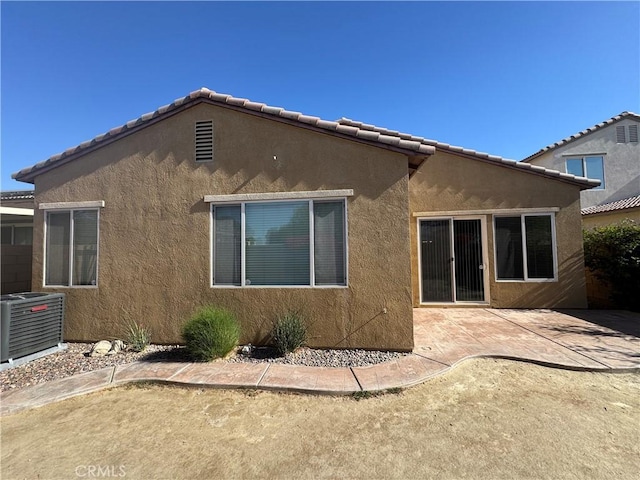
(137, 337)
(289, 332)
(211, 333)
(613, 254)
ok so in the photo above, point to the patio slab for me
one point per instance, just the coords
(404, 372)
(141, 371)
(586, 332)
(309, 379)
(221, 374)
(13, 401)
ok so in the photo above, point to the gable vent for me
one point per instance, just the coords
(620, 136)
(633, 133)
(204, 141)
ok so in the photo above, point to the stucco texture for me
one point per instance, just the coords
(610, 218)
(451, 183)
(154, 242)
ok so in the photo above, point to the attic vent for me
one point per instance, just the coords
(620, 136)
(204, 141)
(633, 133)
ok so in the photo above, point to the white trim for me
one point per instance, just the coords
(250, 197)
(523, 231)
(599, 154)
(72, 205)
(485, 261)
(493, 211)
(71, 246)
(312, 279)
(27, 212)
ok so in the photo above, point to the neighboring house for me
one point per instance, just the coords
(16, 222)
(609, 152)
(218, 200)
(612, 213)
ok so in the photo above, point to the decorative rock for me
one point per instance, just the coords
(116, 346)
(100, 349)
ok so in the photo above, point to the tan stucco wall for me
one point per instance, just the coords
(447, 182)
(610, 218)
(154, 230)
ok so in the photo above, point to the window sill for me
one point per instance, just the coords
(255, 287)
(531, 280)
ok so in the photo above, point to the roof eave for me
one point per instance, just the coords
(415, 152)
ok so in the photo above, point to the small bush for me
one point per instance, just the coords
(613, 254)
(137, 337)
(211, 333)
(289, 332)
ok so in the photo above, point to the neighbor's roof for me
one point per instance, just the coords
(566, 177)
(631, 202)
(587, 131)
(411, 148)
(416, 148)
(17, 195)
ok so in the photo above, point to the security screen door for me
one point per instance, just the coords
(452, 267)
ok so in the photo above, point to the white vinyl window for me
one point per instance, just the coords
(590, 166)
(280, 243)
(525, 247)
(71, 248)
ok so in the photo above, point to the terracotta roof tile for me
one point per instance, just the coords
(17, 195)
(412, 139)
(631, 202)
(584, 132)
(408, 144)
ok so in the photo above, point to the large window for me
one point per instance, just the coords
(280, 243)
(525, 247)
(588, 166)
(71, 248)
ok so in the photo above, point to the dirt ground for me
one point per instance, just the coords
(486, 419)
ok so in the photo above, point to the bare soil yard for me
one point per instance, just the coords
(486, 419)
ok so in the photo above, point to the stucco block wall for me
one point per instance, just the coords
(610, 218)
(450, 183)
(154, 260)
(621, 163)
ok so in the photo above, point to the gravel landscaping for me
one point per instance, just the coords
(74, 360)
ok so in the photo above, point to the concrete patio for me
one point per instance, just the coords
(587, 340)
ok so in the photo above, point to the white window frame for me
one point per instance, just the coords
(70, 207)
(523, 230)
(243, 199)
(485, 258)
(583, 158)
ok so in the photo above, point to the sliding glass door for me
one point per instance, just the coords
(451, 261)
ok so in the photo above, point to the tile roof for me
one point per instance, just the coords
(17, 195)
(583, 182)
(407, 147)
(417, 148)
(587, 131)
(631, 202)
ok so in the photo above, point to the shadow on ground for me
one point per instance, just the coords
(623, 321)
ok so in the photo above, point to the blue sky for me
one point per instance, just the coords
(506, 78)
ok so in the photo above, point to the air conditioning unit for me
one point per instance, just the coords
(30, 323)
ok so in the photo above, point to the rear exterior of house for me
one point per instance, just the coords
(495, 236)
(216, 200)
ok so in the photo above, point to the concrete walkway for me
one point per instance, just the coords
(579, 340)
